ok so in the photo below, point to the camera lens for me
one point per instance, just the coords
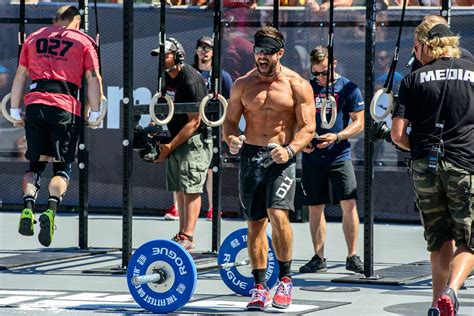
(381, 131)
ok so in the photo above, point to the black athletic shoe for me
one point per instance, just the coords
(433, 311)
(353, 263)
(316, 264)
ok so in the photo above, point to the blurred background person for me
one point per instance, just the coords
(383, 62)
(203, 63)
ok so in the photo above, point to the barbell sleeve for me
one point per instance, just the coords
(234, 264)
(147, 278)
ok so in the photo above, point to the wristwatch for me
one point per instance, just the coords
(339, 139)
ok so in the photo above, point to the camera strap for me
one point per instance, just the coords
(436, 153)
(444, 92)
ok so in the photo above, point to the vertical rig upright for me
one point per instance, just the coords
(83, 152)
(127, 125)
(368, 144)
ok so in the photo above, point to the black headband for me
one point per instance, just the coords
(267, 42)
(439, 30)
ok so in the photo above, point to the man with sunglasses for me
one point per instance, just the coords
(437, 19)
(327, 159)
(437, 100)
(278, 107)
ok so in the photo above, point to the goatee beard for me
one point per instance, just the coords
(271, 71)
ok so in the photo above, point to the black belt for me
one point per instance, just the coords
(54, 86)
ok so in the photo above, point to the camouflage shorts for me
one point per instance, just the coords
(186, 167)
(446, 202)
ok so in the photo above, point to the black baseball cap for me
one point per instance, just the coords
(205, 40)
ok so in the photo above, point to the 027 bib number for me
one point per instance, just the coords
(53, 46)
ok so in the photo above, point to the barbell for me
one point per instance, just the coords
(162, 275)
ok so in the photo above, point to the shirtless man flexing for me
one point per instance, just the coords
(278, 107)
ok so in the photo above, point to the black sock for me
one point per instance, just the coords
(53, 203)
(29, 202)
(259, 276)
(285, 269)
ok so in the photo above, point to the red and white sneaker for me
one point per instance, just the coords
(172, 213)
(282, 297)
(260, 298)
(209, 214)
(448, 303)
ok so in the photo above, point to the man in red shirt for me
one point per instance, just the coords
(56, 58)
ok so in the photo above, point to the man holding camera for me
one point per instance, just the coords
(188, 154)
(437, 100)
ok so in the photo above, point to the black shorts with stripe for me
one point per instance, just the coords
(262, 187)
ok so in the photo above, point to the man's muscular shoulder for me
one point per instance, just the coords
(245, 80)
(291, 74)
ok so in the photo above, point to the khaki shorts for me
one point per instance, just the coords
(446, 202)
(186, 167)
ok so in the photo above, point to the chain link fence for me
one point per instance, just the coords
(303, 31)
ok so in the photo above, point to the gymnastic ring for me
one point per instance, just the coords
(388, 102)
(202, 113)
(103, 111)
(5, 113)
(170, 103)
(324, 122)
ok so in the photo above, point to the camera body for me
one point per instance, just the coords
(147, 141)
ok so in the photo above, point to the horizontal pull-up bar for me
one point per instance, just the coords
(27, 21)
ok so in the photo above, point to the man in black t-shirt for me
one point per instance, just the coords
(437, 100)
(189, 152)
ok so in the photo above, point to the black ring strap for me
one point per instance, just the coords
(388, 85)
(330, 69)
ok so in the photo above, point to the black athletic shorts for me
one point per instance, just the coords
(51, 131)
(315, 183)
(263, 187)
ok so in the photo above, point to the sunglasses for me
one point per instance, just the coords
(204, 48)
(265, 50)
(319, 73)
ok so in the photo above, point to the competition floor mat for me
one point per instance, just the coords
(12, 260)
(26, 300)
(397, 275)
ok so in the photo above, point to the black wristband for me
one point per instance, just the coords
(291, 152)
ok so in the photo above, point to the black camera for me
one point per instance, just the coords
(380, 131)
(147, 141)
